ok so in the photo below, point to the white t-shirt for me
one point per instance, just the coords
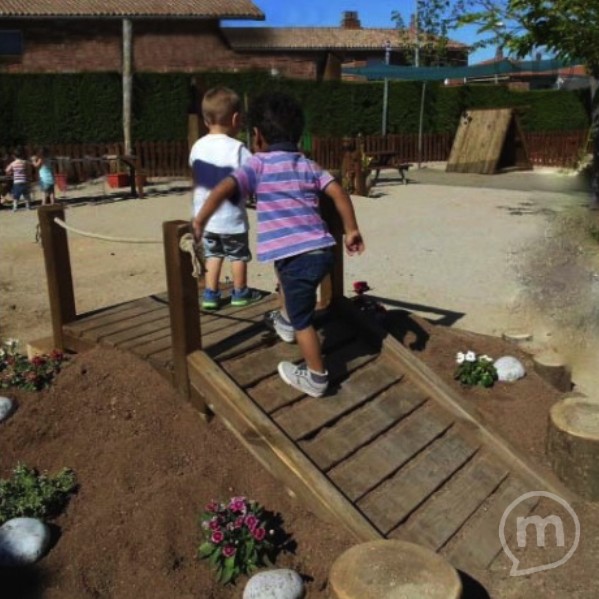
(212, 158)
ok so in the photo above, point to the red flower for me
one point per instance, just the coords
(251, 522)
(229, 551)
(259, 534)
(212, 507)
(214, 524)
(217, 537)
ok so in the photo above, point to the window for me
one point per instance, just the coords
(11, 43)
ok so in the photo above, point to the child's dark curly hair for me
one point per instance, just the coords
(278, 116)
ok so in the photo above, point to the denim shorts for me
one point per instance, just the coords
(47, 187)
(20, 189)
(300, 276)
(233, 247)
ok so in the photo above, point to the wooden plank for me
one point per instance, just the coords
(374, 463)
(273, 449)
(362, 425)
(241, 341)
(448, 399)
(122, 312)
(309, 415)
(250, 369)
(156, 335)
(272, 393)
(156, 346)
(143, 330)
(447, 511)
(392, 502)
(480, 544)
(134, 322)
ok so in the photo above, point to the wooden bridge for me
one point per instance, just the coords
(391, 452)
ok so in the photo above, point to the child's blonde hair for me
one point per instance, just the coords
(219, 104)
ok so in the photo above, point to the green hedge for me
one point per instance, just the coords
(71, 108)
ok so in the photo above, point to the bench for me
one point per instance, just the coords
(387, 159)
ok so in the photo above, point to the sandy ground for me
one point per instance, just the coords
(450, 247)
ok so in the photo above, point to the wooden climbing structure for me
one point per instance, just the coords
(392, 452)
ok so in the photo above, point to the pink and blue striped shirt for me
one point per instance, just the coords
(286, 185)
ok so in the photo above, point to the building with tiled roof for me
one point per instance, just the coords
(50, 36)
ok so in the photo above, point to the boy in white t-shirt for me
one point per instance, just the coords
(212, 158)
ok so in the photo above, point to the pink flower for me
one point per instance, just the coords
(238, 522)
(229, 551)
(217, 537)
(259, 534)
(211, 507)
(251, 522)
(214, 524)
(237, 504)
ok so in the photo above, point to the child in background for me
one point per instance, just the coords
(291, 232)
(225, 235)
(41, 161)
(20, 179)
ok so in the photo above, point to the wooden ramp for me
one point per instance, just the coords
(390, 452)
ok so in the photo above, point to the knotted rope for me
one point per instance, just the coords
(187, 244)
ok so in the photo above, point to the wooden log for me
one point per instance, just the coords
(393, 569)
(551, 367)
(58, 271)
(573, 443)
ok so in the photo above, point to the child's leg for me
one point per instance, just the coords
(213, 268)
(239, 270)
(309, 345)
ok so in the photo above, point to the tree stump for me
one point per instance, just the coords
(388, 569)
(551, 367)
(573, 444)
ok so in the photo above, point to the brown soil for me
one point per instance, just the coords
(146, 465)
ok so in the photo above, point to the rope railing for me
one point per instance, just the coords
(64, 225)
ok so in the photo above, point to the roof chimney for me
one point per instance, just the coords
(350, 20)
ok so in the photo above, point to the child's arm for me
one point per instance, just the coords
(8, 169)
(354, 244)
(225, 189)
(36, 161)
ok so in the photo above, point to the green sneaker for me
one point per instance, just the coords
(211, 299)
(243, 297)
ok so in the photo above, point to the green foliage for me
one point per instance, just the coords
(475, 370)
(236, 540)
(16, 370)
(33, 495)
(77, 108)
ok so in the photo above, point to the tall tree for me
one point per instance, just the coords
(426, 34)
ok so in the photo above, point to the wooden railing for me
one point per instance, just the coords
(81, 162)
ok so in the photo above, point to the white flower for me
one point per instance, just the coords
(485, 358)
(460, 357)
(470, 356)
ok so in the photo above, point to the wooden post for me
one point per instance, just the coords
(331, 289)
(58, 271)
(184, 306)
(127, 83)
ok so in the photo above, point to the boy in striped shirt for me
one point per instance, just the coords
(291, 232)
(20, 180)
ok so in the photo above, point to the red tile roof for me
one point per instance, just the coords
(316, 38)
(213, 9)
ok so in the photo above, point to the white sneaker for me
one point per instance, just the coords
(276, 322)
(302, 378)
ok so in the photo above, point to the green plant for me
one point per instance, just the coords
(475, 370)
(35, 495)
(236, 540)
(16, 370)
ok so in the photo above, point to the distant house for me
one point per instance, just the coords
(51, 36)
(531, 75)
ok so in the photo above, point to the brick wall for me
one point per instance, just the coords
(159, 46)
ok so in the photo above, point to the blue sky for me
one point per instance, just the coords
(328, 13)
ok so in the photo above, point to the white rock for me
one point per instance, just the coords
(275, 584)
(509, 368)
(7, 407)
(23, 541)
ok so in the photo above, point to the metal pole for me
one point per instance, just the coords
(417, 32)
(386, 90)
(127, 83)
(420, 124)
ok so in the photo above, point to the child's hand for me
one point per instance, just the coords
(354, 244)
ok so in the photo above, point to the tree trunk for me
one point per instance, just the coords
(127, 84)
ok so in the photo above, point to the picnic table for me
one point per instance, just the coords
(388, 159)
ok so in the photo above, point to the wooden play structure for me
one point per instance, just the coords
(393, 453)
(488, 141)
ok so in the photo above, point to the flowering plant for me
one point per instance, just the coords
(16, 370)
(475, 370)
(236, 540)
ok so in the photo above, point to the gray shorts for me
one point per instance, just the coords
(232, 247)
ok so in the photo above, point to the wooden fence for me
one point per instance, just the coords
(81, 162)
